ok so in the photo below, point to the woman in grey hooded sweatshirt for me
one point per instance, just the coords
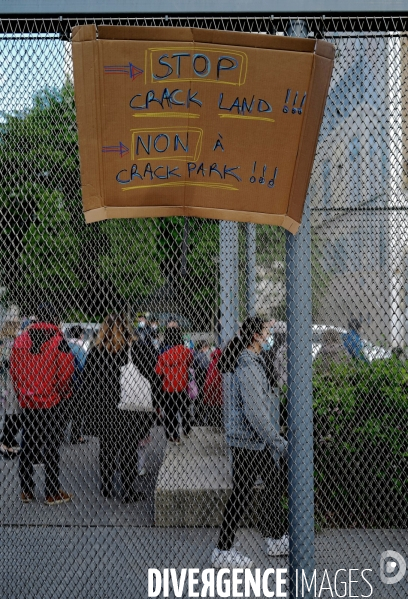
(251, 414)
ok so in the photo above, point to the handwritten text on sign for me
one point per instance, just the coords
(179, 121)
(171, 91)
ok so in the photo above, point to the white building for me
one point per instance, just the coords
(360, 239)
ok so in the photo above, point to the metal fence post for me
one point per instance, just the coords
(229, 308)
(300, 408)
(250, 268)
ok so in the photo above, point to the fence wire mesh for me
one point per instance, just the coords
(92, 316)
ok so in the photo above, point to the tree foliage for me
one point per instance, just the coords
(50, 252)
(361, 425)
(132, 261)
(52, 255)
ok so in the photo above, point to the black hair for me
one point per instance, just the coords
(75, 332)
(354, 324)
(251, 326)
(200, 344)
(172, 337)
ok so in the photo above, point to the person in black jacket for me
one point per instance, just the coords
(119, 431)
(144, 357)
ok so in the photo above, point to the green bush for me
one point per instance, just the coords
(361, 443)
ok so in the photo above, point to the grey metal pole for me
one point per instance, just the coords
(250, 265)
(300, 408)
(229, 308)
(184, 247)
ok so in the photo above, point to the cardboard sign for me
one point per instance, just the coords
(194, 122)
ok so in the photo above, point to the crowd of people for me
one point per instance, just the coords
(133, 376)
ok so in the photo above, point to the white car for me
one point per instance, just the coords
(370, 351)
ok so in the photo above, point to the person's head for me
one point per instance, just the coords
(173, 324)
(254, 332)
(172, 337)
(141, 322)
(47, 313)
(202, 346)
(114, 333)
(75, 332)
(154, 325)
(354, 324)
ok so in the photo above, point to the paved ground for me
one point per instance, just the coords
(112, 562)
(101, 549)
(80, 475)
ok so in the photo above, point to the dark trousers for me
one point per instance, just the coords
(122, 442)
(12, 425)
(247, 466)
(41, 430)
(173, 404)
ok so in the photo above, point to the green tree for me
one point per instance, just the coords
(132, 260)
(204, 272)
(50, 253)
(191, 269)
(38, 166)
(39, 170)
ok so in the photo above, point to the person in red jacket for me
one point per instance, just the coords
(172, 366)
(213, 397)
(41, 368)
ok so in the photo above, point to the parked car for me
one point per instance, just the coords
(164, 317)
(371, 352)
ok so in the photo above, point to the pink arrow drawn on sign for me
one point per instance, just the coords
(120, 149)
(130, 69)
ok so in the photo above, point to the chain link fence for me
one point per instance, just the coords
(151, 489)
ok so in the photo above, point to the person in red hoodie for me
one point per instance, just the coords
(172, 366)
(41, 368)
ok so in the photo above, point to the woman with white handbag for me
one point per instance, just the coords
(117, 397)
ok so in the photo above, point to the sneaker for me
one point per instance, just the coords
(62, 497)
(277, 546)
(142, 471)
(27, 497)
(6, 452)
(175, 441)
(229, 559)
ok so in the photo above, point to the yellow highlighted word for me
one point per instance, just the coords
(165, 143)
(211, 56)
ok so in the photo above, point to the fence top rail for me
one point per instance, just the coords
(319, 26)
(43, 8)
